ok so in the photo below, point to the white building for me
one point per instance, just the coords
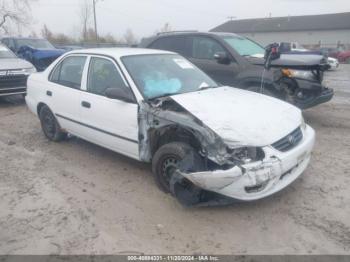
(328, 30)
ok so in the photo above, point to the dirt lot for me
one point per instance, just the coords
(78, 198)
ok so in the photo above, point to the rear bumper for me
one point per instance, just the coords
(262, 179)
(32, 105)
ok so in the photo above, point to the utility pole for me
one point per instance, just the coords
(95, 19)
(231, 17)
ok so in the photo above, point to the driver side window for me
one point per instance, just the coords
(103, 74)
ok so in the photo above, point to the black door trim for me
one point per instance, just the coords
(98, 129)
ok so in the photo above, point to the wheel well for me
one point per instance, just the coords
(40, 105)
(170, 134)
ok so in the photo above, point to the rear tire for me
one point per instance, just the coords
(50, 126)
(166, 160)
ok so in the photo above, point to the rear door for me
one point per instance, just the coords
(64, 92)
(177, 44)
(109, 122)
(202, 53)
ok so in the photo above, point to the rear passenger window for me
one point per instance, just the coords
(205, 48)
(174, 44)
(103, 74)
(69, 72)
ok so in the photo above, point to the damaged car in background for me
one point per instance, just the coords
(13, 73)
(208, 144)
(235, 60)
(40, 52)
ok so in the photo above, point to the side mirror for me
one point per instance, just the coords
(120, 94)
(272, 52)
(222, 58)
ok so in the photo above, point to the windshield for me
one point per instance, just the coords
(36, 43)
(163, 75)
(5, 53)
(244, 46)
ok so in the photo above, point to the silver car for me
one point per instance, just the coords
(13, 73)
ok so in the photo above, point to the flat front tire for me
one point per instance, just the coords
(166, 160)
(50, 126)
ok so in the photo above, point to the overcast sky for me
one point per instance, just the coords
(146, 16)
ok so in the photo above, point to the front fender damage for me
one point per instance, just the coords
(156, 118)
(167, 113)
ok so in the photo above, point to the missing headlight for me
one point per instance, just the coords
(246, 155)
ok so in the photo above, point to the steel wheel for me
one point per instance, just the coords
(169, 166)
(50, 126)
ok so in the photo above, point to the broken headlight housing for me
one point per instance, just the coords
(302, 74)
(246, 155)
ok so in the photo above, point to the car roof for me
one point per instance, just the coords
(195, 33)
(119, 51)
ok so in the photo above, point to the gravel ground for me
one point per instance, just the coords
(78, 198)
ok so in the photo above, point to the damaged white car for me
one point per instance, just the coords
(208, 144)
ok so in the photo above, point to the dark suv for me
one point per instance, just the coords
(237, 61)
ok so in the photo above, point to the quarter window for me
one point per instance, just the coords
(69, 72)
(205, 48)
(103, 74)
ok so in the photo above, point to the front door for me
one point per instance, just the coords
(202, 55)
(108, 122)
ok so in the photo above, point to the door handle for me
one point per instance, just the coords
(85, 104)
(48, 93)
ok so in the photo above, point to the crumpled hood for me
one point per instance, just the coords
(14, 63)
(242, 118)
(299, 60)
(46, 53)
(41, 53)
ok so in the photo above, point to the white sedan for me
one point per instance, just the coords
(206, 142)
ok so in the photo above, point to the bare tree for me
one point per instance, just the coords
(130, 38)
(46, 33)
(85, 17)
(165, 28)
(14, 13)
(56, 38)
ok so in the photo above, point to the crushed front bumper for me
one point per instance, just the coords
(262, 179)
(325, 96)
(315, 94)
